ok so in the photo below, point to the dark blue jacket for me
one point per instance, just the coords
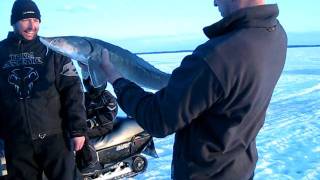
(216, 100)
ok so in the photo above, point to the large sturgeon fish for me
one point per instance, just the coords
(88, 51)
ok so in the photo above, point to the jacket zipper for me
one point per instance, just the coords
(25, 106)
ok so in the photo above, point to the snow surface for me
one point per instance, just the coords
(288, 144)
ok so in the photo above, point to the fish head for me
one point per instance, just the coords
(83, 50)
(77, 48)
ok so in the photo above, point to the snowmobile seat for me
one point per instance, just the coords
(124, 129)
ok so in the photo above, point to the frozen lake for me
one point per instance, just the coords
(288, 144)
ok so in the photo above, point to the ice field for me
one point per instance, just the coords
(288, 144)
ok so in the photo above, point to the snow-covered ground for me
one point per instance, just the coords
(289, 142)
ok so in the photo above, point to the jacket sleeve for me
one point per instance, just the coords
(71, 95)
(191, 90)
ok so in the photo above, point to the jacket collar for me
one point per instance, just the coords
(263, 16)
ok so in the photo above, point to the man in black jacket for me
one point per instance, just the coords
(42, 117)
(216, 100)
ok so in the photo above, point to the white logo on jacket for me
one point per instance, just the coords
(22, 80)
(22, 59)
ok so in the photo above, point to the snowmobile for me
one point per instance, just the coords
(120, 152)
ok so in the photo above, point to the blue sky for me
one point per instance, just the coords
(148, 20)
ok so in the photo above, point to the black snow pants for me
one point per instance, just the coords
(53, 155)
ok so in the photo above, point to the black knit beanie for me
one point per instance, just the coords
(23, 9)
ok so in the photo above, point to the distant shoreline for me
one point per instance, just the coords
(189, 51)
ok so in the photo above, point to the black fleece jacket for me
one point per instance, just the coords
(216, 100)
(40, 94)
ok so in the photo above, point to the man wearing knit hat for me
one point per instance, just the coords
(25, 10)
(42, 117)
